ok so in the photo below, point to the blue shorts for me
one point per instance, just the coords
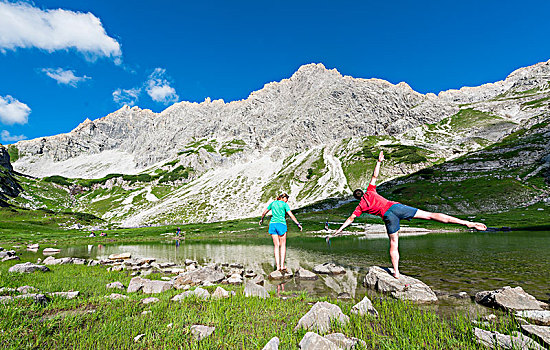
(277, 229)
(395, 213)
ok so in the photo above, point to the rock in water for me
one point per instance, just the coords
(495, 339)
(252, 289)
(320, 316)
(329, 269)
(313, 341)
(542, 318)
(50, 251)
(303, 274)
(404, 288)
(364, 307)
(509, 299)
(121, 256)
(540, 332)
(28, 268)
(272, 344)
(344, 342)
(200, 332)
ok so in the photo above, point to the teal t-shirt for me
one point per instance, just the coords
(278, 212)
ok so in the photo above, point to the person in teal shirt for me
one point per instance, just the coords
(277, 228)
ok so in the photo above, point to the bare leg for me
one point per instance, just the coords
(394, 253)
(447, 219)
(276, 250)
(282, 243)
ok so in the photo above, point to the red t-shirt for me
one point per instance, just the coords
(373, 203)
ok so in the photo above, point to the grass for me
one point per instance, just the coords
(13, 152)
(91, 321)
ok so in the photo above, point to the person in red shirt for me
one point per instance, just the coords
(392, 212)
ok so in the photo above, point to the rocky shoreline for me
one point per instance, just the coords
(191, 277)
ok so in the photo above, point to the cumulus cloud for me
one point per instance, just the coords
(65, 77)
(159, 89)
(26, 26)
(12, 111)
(7, 137)
(127, 97)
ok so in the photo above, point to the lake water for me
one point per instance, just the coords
(447, 262)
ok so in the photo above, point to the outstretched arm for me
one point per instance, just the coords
(294, 219)
(263, 215)
(345, 224)
(377, 168)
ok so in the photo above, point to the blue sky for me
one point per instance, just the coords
(64, 61)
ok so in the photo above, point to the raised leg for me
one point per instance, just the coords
(394, 253)
(276, 250)
(447, 219)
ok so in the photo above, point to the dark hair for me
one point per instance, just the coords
(281, 196)
(358, 194)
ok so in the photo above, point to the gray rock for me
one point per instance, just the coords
(541, 318)
(28, 267)
(65, 295)
(343, 341)
(252, 289)
(200, 332)
(250, 274)
(150, 300)
(79, 261)
(220, 293)
(279, 275)
(4, 299)
(33, 246)
(235, 279)
(50, 251)
(364, 307)
(121, 256)
(272, 344)
(166, 265)
(509, 299)
(197, 292)
(404, 288)
(136, 284)
(303, 274)
(498, 340)
(12, 257)
(541, 333)
(116, 296)
(259, 279)
(329, 269)
(93, 263)
(155, 286)
(320, 316)
(8, 290)
(190, 262)
(115, 285)
(200, 276)
(313, 341)
(461, 295)
(37, 298)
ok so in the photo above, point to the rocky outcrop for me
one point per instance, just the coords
(510, 299)
(404, 288)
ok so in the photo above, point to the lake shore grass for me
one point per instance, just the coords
(92, 321)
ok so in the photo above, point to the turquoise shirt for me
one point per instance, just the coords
(278, 212)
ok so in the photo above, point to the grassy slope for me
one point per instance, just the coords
(91, 321)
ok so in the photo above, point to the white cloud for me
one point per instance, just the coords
(159, 88)
(65, 77)
(26, 26)
(126, 97)
(7, 137)
(12, 111)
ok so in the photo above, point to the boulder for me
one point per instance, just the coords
(329, 269)
(121, 256)
(200, 332)
(220, 293)
(320, 316)
(200, 276)
(50, 251)
(313, 341)
(343, 341)
(252, 289)
(150, 300)
(235, 279)
(279, 275)
(259, 279)
(404, 288)
(303, 274)
(155, 286)
(272, 344)
(114, 285)
(12, 257)
(136, 284)
(65, 295)
(509, 299)
(28, 267)
(492, 339)
(364, 307)
(542, 333)
(116, 296)
(541, 318)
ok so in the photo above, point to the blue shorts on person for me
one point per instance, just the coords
(277, 229)
(395, 213)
